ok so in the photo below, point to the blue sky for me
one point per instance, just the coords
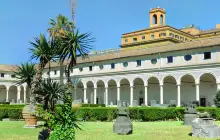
(21, 20)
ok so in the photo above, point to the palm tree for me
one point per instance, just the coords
(59, 25)
(49, 92)
(25, 74)
(73, 45)
(43, 51)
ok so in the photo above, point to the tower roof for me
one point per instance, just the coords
(158, 9)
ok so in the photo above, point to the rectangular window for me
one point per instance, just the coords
(134, 39)
(162, 34)
(207, 55)
(90, 68)
(113, 66)
(138, 62)
(176, 36)
(152, 36)
(171, 34)
(55, 72)
(2, 75)
(170, 59)
(181, 38)
(143, 37)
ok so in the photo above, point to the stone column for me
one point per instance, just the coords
(145, 95)
(118, 93)
(178, 95)
(106, 96)
(161, 94)
(218, 86)
(197, 92)
(7, 91)
(74, 94)
(18, 94)
(131, 95)
(95, 95)
(84, 96)
(25, 100)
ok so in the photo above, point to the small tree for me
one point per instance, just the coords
(217, 99)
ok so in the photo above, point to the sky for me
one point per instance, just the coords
(107, 20)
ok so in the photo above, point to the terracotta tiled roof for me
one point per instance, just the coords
(137, 52)
(208, 31)
(149, 51)
(8, 68)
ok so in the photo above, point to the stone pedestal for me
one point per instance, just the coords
(190, 114)
(205, 128)
(123, 125)
(188, 118)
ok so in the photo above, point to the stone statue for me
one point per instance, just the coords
(123, 125)
(205, 128)
(190, 114)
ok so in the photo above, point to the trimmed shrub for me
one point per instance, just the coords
(110, 113)
(11, 106)
(93, 105)
(3, 113)
(15, 113)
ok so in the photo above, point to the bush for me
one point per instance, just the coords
(15, 113)
(110, 113)
(11, 106)
(12, 113)
(3, 113)
(93, 105)
(217, 99)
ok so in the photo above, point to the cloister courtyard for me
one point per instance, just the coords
(170, 130)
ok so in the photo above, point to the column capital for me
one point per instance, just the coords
(178, 84)
(106, 87)
(118, 86)
(161, 85)
(132, 86)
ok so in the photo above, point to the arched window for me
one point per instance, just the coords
(161, 19)
(154, 19)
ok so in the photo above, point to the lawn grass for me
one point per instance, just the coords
(103, 131)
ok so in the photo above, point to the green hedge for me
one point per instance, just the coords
(12, 113)
(109, 113)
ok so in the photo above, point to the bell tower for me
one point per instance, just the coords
(157, 17)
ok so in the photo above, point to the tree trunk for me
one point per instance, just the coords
(61, 72)
(36, 81)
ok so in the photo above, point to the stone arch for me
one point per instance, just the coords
(21, 94)
(154, 19)
(188, 89)
(79, 90)
(187, 74)
(3, 92)
(169, 90)
(208, 73)
(153, 90)
(112, 91)
(169, 75)
(91, 86)
(100, 95)
(138, 92)
(161, 19)
(12, 94)
(207, 89)
(125, 90)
